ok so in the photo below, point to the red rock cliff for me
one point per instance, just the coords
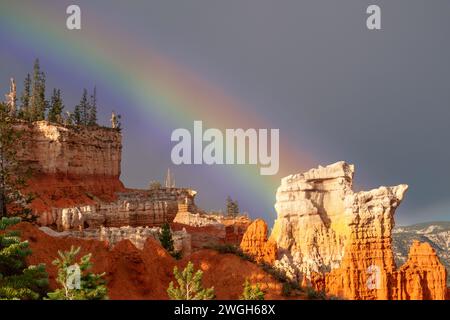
(71, 166)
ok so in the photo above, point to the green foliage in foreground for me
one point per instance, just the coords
(17, 281)
(91, 286)
(251, 292)
(189, 285)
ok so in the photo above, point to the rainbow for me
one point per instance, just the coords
(172, 94)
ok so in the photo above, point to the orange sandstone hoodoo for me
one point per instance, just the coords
(255, 243)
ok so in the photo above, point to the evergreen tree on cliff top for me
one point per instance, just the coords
(56, 107)
(92, 110)
(76, 282)
(38, 104)
(12, 173)
(81, 112)
(189, 285)
(232, 207)
(24, 111)
(17, 281)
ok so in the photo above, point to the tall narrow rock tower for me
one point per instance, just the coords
(170, 180)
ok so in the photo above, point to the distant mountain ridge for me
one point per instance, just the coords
(437, 234)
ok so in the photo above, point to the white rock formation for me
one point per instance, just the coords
(315, 211)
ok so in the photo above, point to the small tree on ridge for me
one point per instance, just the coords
(189, 285)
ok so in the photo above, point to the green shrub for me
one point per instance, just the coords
(232, 249)
(251, 292)
(224, 248)
(91, 286)
(17, 281)
(189, 285)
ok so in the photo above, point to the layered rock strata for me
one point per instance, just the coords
(70, 165)
(312, 224)
(136, 235)
(139, 235)
(60, 150)
(132, 208)
(76, 180)
(209, 230)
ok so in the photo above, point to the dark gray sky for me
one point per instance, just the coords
(378, 99)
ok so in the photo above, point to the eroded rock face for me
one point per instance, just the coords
(186, 217)
(361, 276)
(437, 234)
(340, 241)
(423, 276)
(59, 150)
(76, 180)
(367, 268)
(71, 166)
(209, 230)
(132, 208)
(256, 244)
(139, 235)
(312, 224)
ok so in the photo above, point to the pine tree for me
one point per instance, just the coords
(81, 112)
(42, 104)
(12, 174)
(84, 104)
(251, 292)
(91, 286)
(189, 285)
(165, 237)
(232, 207)
(24, 112)
(77, 116)
(34, 91)
(38, 104)
(17, 281)
(92, 114)
(56, 107)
